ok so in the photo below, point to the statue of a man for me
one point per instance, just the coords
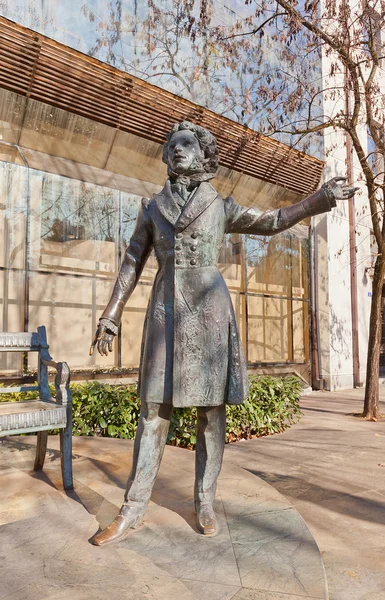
(191, 349)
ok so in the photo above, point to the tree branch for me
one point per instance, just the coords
(257, 29)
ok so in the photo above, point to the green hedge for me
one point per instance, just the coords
(106, 410)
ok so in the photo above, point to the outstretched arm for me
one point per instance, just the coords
(132, 266)
(240, 219)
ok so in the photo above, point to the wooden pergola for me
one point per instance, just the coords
(37, 67)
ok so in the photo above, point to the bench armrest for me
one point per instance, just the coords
(62, 380)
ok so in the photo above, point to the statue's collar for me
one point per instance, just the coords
(190, 180)
(203, 197)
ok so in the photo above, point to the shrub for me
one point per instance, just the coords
(106, 410)
(271, 407)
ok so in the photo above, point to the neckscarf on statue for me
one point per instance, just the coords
(184, 184)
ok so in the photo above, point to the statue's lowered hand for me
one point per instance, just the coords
(337, 189)
(103, 339)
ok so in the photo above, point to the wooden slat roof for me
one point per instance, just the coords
(35, 66)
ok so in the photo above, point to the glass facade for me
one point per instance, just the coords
(69, 193)
(61, 249)
(277, 298)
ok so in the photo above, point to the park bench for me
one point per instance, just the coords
(45, 412)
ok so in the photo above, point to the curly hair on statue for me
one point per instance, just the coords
(207, 142)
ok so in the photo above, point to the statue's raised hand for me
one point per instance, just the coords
(337, 189)
(104, 337)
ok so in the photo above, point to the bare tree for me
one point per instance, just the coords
(349, 97)
(173, 43)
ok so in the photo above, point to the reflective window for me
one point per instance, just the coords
(13, 227)
(277, 299)
(61, 249)
(60, 133)
(77, 226)
(72, 260)
(231, 266)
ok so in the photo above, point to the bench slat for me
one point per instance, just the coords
(20, 388)
(31, 429)
(27, 406)
(24, 341)
(31, 415)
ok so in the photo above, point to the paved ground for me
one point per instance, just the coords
(264, 551)
(331, 467)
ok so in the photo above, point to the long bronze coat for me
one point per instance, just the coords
(191, 349)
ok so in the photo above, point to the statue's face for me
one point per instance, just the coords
(184, 152)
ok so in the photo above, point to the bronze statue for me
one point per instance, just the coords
(191, 350)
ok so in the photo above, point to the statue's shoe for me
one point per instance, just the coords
(129, 517)
(206, 520)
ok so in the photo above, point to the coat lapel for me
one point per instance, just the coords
(167, 205)
(204, 196)
(198, 202)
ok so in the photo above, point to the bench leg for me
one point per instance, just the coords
(66, 457)
(41, 448)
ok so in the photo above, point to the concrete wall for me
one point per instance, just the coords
(333, 280)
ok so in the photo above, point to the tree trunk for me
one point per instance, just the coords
(371, 403)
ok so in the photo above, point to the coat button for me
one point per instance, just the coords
(177, 261)
(178, 247)
(193, 248)
(194, 235)
(193, 261)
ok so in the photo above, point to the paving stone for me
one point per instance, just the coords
(328, 467)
